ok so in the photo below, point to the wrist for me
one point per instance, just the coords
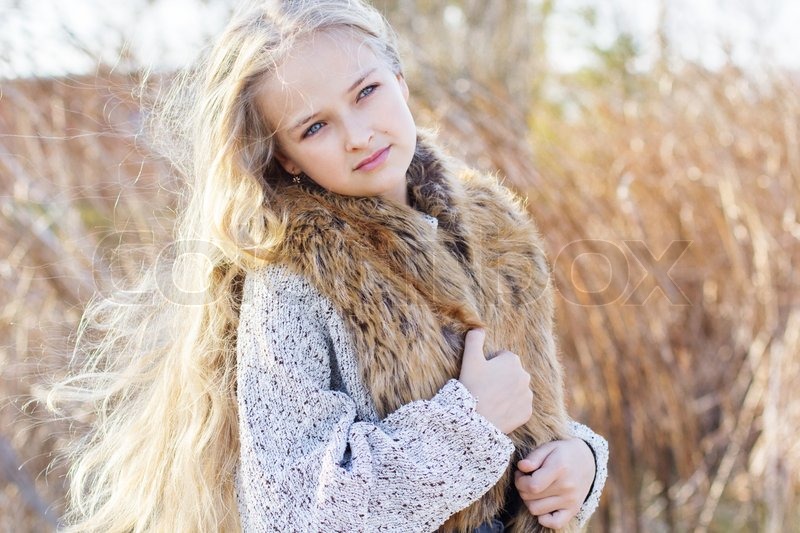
(594, 465)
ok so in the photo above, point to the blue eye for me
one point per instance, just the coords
(312, 129)
(366, 91)
(315, 127)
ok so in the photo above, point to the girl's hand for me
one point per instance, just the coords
(561, 475)
(500, 384)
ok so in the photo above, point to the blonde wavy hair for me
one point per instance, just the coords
(156, 366)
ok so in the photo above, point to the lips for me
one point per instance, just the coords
(374, 160)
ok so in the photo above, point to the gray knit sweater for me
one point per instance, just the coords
(314, 454)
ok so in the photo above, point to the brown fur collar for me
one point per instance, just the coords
(409, 293)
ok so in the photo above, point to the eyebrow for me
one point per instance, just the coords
(355, 84)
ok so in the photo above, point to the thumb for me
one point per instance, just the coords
(473, 345)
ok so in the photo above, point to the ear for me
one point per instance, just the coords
(403, 86)
(287, 164)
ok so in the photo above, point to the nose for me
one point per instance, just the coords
(358, 134)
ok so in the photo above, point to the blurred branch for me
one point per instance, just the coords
(12, 472)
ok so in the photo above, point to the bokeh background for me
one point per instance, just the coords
(657, 144)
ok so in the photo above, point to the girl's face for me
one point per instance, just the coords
(341, 116)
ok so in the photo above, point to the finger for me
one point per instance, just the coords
(528, 492)
(473, 344)
(520, 482)
(555, 520)
(543, 506)
(541, 480)
(536, 458)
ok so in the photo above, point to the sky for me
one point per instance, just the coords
(758, 30)
(168, 33)
(162, 33)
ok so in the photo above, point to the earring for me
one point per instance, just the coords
(296, 178)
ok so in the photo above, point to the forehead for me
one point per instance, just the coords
(317, 71)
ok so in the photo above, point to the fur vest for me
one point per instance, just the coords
(409, 293)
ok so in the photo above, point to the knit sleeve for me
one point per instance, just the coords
(307, 463)
(599, 447)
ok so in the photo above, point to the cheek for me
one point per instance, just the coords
(408, 122)
(401, 115)
(324, 151)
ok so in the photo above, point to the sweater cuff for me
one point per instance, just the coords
(457, 392)
(599, 447)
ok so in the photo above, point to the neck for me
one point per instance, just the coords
(398, 196)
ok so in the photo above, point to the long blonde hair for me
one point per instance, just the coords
(156, 365)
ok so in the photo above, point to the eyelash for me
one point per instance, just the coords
(373, 87)
(309, 133)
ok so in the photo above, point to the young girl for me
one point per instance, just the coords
(372, 346)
